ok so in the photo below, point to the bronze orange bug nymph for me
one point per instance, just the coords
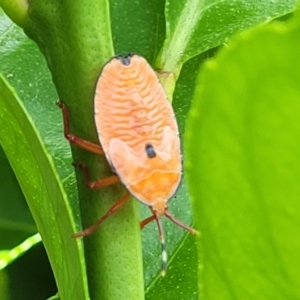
(139, 136)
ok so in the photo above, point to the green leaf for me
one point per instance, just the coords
(138, 26)
(195, 26)
(40, 183)
(16, 223)
(243, 164)
(56, 297)
(8, 256)
(174, 285)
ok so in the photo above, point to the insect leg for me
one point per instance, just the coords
(73, 138)
(146, 221)
(179, 223)
(112, 210)
(98, 183)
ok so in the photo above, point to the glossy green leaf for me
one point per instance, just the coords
(243, 163)
(16, 222)
(8, 256)
(41, 184)
(174, 285)
(138, 26)
(195, 26)
(56, 297)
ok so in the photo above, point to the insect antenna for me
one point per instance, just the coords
(163, 245)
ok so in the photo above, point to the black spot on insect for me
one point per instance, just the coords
(125, 59)
(150, 151)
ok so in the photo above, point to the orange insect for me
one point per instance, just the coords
(139, 136)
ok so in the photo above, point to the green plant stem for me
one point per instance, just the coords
(75, 38)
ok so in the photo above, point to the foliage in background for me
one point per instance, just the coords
(185, 38)
(242, 145)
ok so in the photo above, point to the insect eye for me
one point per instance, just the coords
(150, 151)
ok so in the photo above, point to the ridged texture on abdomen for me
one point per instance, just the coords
(131, 112)
(131, 105)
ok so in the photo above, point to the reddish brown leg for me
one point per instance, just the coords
(112, 210)
(95, 184)
(180, 224)
(73, 138)
(146, 221)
